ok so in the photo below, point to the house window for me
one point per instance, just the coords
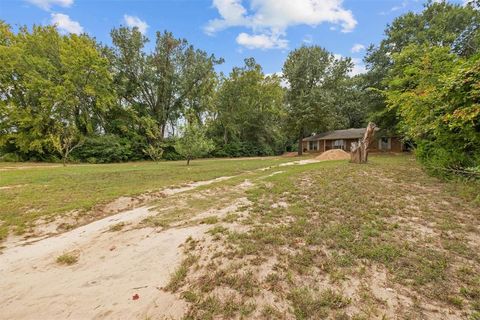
(313, 145)
(338, 144)
(384, 143)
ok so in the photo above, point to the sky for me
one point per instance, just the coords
(232, 29)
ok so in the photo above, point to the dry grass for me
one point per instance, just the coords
(348, 241)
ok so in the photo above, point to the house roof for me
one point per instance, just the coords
(353, 133)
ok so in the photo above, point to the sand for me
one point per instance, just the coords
(334, 154)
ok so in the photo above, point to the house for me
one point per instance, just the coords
(342, 139)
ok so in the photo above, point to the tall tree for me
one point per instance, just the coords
(314, 75)
(50, 81)
(249, 109)
(441, 23)
(160, 85)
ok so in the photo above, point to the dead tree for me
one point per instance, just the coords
(359, 150)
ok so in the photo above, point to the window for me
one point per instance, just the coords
(384, 143)
(338, 144)
(313, 145)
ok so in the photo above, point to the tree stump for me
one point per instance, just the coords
(359, 150)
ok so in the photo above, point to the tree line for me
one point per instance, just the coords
(68, 96)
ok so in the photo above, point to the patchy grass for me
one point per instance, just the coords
(29, 191)
(68, 258)
(116, 227)
(344, 241)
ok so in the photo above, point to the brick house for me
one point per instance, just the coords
(342, 139)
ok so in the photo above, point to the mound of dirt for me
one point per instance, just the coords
(334, 154)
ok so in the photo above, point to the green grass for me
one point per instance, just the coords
(341, 222)
(47, 190)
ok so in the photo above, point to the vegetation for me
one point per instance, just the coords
(423, 76)
(68, 258)
(356, 250)
(193, 143)
(31, 192)
(67, 97)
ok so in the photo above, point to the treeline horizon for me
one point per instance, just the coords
(71, 97)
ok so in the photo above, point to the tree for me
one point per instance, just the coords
(161, 84)
(193, 142)
(249, 110)
(313, 96)
(435, 93)
(67, 139)
(441, 24)
(49, 81)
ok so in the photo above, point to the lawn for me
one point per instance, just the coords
(321, 240)
(32, 191)
(339, 241)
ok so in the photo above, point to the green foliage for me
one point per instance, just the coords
(107, 148)
(193, 143)
(313, 98)
(248, 112)
(436, 95)
(440, 24)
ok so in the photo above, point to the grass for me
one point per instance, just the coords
(29, 191)
(68, 258)
(343, 226)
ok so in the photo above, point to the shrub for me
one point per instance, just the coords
(109, 148)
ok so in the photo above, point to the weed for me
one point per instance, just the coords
(68, 258)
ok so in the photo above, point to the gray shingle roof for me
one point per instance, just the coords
(353, 133)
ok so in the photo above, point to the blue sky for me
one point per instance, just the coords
(233, 29)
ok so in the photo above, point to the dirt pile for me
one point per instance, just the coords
(334, 154)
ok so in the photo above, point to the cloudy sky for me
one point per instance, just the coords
(232, 29)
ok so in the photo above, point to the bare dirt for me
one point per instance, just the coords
(119, 275)
(334, 154)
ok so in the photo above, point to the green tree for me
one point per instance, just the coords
(314, 76)
(440, 24)
(435, 93)
(162, 84)
(249, 109)
(51, 86)
(193, 143)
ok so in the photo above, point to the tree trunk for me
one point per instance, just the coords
(359, 150)
(300, 144)
(188, 161)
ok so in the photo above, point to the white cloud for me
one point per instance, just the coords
(357, 48)
(133, 21)
(271, 18)
(65, 24)
(308, 39)
(261, 41)
(47, 4)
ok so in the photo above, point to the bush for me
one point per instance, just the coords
(109, 148)
(10, 157)
(169, 153)
(446, 159)
(244, 149)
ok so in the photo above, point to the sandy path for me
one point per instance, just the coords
(112, 267)
(101, 284)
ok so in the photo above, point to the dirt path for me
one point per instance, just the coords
(111, 269)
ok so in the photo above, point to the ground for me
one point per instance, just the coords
(259, 239)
